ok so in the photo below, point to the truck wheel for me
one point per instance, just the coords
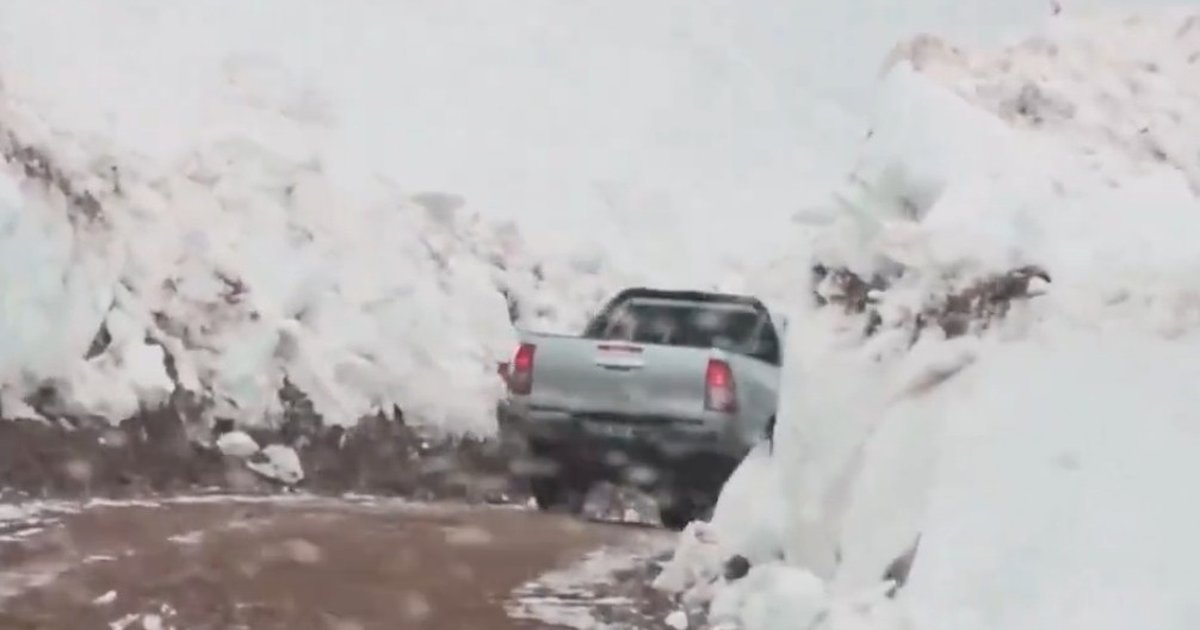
(676, 516)
(680, 508)
(553, 493)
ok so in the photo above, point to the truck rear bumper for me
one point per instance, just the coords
(690, 449)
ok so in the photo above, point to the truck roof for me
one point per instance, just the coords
(688, 296)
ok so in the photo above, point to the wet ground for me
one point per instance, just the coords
(304, 562)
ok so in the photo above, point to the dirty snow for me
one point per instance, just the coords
(573, 596)
(280, 463)
(146, 621)
(125, 622)
(12, 513)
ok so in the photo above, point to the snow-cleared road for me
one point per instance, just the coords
(303, 563)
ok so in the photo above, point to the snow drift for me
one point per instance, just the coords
(999, 384)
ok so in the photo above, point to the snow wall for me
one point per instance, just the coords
(1033, 447)
(336, 192)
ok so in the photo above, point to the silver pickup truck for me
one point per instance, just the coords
(667, 390)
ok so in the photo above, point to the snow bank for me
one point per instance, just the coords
(331, 194)
(243, 267)
(240, 255)
(1029, 447)
(747, 521)
(1059, 503)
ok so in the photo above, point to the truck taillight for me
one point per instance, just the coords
(720, 392)
(520, 376)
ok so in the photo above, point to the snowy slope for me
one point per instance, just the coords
(1038, 457)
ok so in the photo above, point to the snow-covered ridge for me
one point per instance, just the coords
(244, 263)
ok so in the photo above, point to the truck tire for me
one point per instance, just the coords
(682, 507)
(676, 516)
(553, 493)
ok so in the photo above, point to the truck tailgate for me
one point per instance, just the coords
(616, 378)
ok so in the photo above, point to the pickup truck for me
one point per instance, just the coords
(667, 390)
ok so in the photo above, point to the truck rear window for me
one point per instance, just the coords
(729, 327)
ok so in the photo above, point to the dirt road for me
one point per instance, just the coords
(219, 563)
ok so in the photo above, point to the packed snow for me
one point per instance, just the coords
(1034, 464)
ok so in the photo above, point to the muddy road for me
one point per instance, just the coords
(308, 563)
